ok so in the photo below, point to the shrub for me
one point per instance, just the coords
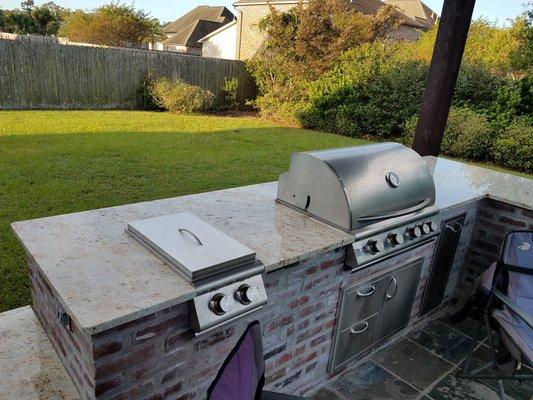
(143, 98)
(231, 93)
(372, 91)
(468, 134)
(180, 97)
(477, 87)
(514, 147)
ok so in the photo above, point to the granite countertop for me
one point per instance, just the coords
(35, 371)
(458, 183)
(104, 278)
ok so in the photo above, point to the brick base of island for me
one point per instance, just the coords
(119, 319)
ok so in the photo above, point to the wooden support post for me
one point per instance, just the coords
(447, 54)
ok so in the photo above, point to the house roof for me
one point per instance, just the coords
(191, 34)
(417, 11)
(221, 29)
(219, 14)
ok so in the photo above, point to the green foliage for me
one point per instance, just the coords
(372, 91)
(42, 20)
(487, 45)
(231, 93)
(468, 134)
(113, 24)
(181, 98)
(477, 87)
(522, 56)
(143, 98)
(514, 147)
(305, 42)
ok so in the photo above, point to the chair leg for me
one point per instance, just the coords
(501, 390)
(477, 338)
(494, 356)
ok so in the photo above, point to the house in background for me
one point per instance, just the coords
(241, 39)
(183, 34)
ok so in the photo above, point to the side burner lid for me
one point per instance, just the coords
(191, 246)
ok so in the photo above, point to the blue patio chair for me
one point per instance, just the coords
(507, 306)
(242, 375)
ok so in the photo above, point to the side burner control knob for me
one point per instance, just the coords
(247, 294)
(220, 304)
(373, 247)
(414, 233)
(395, 239)
(425, 228)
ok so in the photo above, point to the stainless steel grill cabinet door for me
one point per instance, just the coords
(398, 298)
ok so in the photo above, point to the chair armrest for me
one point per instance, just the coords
(513, 307)
(266, 395)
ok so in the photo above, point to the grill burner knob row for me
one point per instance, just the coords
(414, 233)
(220, 304)
(395, 239)
(373, 247)
(425, 229)
(247, 294)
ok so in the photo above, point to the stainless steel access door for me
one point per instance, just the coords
(398, 298)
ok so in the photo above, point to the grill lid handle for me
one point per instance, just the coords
(400, 213)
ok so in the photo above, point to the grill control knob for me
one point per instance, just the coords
(247, 294)
(414, 233)
(373, 247)
(425, 229)
(395, 239)
(432, 226)
(220, 304)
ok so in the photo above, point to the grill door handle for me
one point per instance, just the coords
(395, 282)
(365, 327)
(366, 294)
(454, 226)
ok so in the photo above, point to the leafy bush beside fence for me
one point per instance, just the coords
(179, 97)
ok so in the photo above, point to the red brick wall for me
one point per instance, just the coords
(158, 356)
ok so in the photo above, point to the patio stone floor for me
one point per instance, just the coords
(423, 365)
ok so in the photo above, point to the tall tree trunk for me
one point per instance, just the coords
(447, 55)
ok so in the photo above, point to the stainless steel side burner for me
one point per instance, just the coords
(225, 273)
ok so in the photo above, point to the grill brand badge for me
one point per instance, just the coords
(393, 179)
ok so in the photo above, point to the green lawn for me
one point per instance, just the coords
(55, 162)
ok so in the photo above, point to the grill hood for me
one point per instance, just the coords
(354, 187)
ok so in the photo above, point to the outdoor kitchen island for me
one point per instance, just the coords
(118, 317)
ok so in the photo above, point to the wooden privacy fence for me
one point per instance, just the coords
(51, 76)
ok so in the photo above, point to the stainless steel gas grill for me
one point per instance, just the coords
(383, 194)
(225, 273)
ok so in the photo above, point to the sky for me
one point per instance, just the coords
(169, 10)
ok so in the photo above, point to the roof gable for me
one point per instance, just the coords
(218, 14)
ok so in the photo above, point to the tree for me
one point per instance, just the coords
(42, 20)
(27, 5)
(306, 41)
(111, 25)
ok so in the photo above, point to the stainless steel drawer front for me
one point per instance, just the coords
(354, 340)
(361, 302)
(190, 245)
